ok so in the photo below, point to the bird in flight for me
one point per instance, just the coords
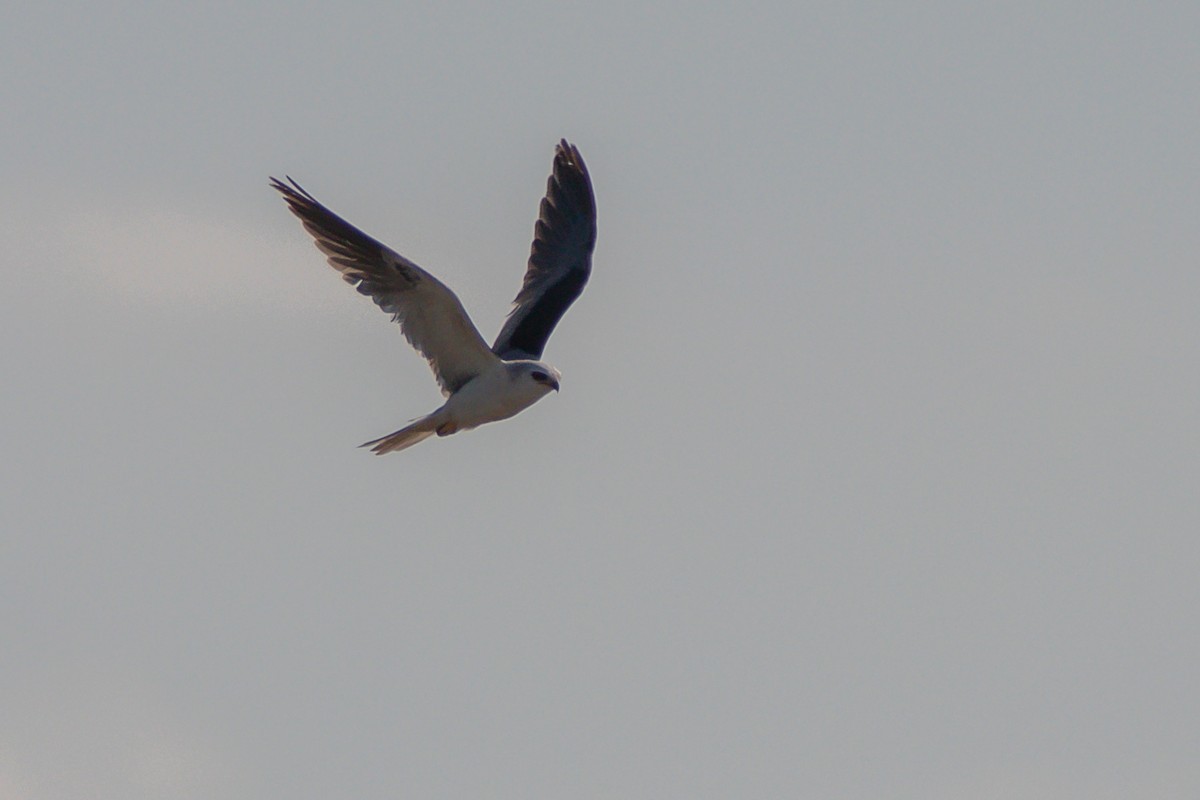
(480, 384)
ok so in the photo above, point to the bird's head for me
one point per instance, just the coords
(540, 375)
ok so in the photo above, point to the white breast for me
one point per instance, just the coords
(491, 396)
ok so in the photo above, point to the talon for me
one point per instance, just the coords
(446, 429)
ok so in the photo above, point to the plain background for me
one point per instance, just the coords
(874, 473)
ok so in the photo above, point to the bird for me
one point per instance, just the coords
(481, 384)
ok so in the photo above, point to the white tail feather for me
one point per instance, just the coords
(407, 436)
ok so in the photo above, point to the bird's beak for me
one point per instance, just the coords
(554, 384)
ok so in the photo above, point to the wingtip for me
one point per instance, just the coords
(566, 151)
(567, 158)
(289, 189)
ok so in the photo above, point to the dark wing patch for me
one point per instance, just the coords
(561, 259)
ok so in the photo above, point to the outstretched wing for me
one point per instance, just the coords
(430, 315)
(561, 261)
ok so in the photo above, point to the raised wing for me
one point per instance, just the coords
(430, 315)
(561, 261)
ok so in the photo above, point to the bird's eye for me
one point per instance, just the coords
(541, 377)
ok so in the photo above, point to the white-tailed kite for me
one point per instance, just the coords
(481, 384)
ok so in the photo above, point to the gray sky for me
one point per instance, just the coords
(874, 473)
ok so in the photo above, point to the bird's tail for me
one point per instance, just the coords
(411, 434)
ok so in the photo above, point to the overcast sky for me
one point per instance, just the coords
(874, 473)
